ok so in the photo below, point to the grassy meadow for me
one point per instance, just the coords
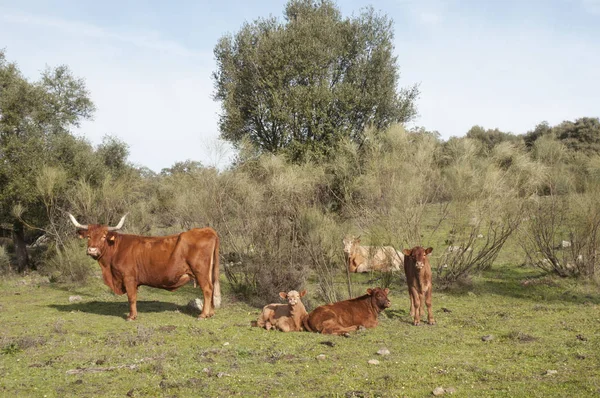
(543, 340)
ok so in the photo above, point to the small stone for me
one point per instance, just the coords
(487, 337)
(472, 294)
(373, 362)
(480, 236)
(384, 351)
(222, 374)
(321, 357)
(196, 304)
(446, 310)
(581, 337)
(73, 299)
(550, 372)
(450, 390)
(226, 343)
(438, 391)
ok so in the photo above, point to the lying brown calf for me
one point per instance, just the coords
(349, 315)
(284, 317)
(418, 278)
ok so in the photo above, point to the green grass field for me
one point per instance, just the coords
(545, 342)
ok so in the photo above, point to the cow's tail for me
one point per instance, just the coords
(215, 275)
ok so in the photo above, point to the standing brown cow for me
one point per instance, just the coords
(348, 315)
(164, 262)
(418, 278)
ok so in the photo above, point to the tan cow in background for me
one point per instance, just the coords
(371, 258)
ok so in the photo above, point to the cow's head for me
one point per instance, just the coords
(380, 296)
(98, 236)
(293, 297)
(349, 242)
(418, 255)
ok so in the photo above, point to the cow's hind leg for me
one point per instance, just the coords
(207, 291)
(330, 326)
(131, 288)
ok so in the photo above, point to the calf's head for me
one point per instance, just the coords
(293, 297)
(417, 255)
(99, 237)
(380, 297)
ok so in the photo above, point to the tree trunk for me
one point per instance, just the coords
(20, 246)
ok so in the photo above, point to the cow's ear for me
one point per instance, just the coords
(283, 295)
(303, 293)
(386, 291)
(428, 250)
(407, 252)
(369, 291)
(81, 233)
(110, 237)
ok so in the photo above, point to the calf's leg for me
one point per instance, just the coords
(417, 306)
(430, 319)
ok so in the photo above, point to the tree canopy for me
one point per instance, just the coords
(301, 84)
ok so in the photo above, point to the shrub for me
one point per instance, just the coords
(70, 264)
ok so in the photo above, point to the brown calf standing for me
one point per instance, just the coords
(349, 315)
(284, 317)
(418, 278)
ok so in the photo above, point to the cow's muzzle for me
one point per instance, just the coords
(93, 252)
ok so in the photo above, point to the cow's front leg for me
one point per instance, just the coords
(131, 288)
(430, 319)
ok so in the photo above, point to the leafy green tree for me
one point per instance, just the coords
(491, 137)
(542, 129)
(581, 135)
(34, 118)
(301, 85)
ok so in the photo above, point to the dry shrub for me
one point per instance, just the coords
(563, 234)
(261, 211)
(486, 206)
(5, 267)
(69, 264)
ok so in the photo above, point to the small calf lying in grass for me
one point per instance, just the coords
(349, 315)
(284, 317)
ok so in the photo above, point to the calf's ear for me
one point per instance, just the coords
(407, 252)
(303, 293)
(428, 250)
(369, 291)
(283, 295)
(81, 233)
(386, 291)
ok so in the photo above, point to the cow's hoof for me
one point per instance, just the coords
(431, 323)
(129, 319)
(416, 324)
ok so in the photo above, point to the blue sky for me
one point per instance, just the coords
(507, 64)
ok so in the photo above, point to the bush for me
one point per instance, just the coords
(5, 267)
(70, 264)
